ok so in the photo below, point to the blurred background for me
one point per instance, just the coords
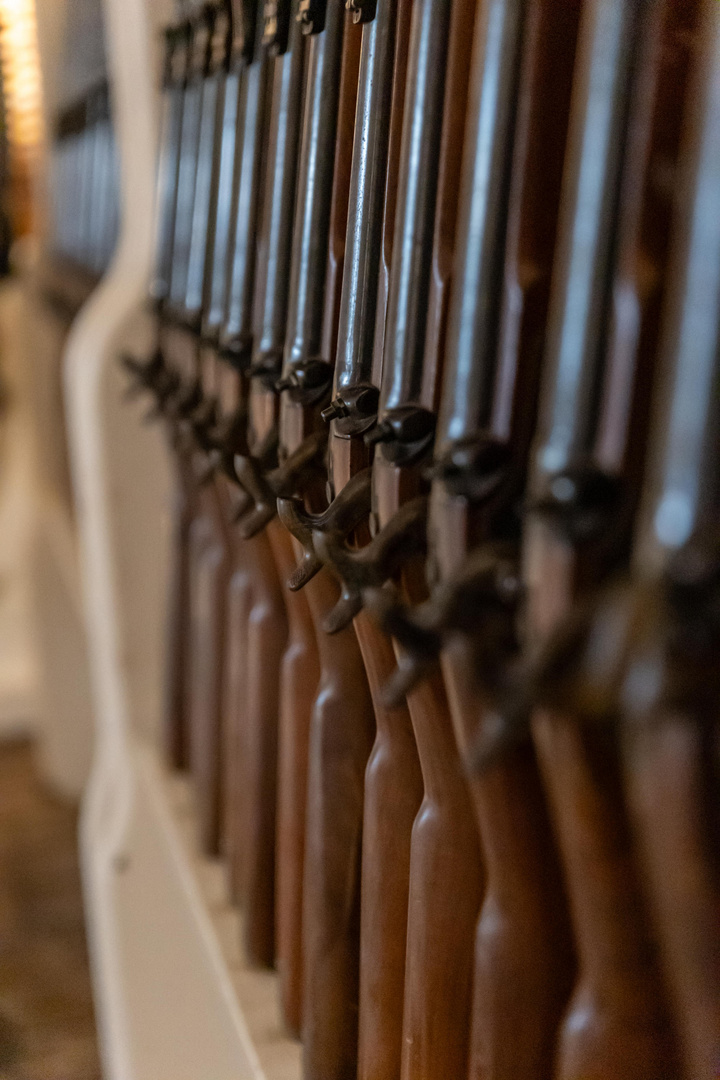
(54, 106)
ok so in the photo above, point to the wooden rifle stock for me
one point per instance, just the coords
(259, 620)
(299, 679)
(670, 737)
(655, 665)
(506, 234)
(342, 720)
(392, 778)
(210, 560)
(617, 1024)
(210, 571)
(176, 723)
(445, 875)
(283, 41)
(481, 844)
(393, 782)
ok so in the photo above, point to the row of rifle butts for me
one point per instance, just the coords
(438, 353)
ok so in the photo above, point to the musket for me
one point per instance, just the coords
(440, 926)
(446, 875)
(201, 26)
(393, 786)
(258, 605)
(670, 696)
(215, 105)
(584, 490)
(295, 675)
(658, 629)
(248, 609)
(207, 292)
(210, 543)
(342, 721)
(157, 376)
(207, 555)
(173, 86)
(514, 150)
(230, 46)
(257, 625)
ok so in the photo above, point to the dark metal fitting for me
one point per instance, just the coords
(363, 11)
(241, 503)
(236, 350)
(692, 578)
(334, 411)
(267, 367)
(474, 467)
(634, 653)
(207, 470)
(578, 672)
(199, 60)
(276, 27)
(221, 38)
(354, 409)
(311, 16)
(285, 481)
(177, 58)
(348, 510)
(254, 513)
(186, 401)
(242, 43)
(481, 601)
(230, 438)
(147, 374)
(505, 727)
(405, 434)
(204, 422)
(410, 671)
(421, 643)
(167, 389)
(580, 501)
(371, 566)
(308, 380)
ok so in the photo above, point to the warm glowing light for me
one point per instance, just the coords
(21, 74)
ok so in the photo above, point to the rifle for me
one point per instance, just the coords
(319, 233)
(342, 721)
(393, 784)
(249, 607)
(175, 384)
(299, 667)
(236, 125)
(523, 62)
(266, 619)
(190, 63)
(154, 375)
(585, 483)
(437, 973)
(670, 737)
(211, 552)
(445, 883)
(657, 628)
(392, 778)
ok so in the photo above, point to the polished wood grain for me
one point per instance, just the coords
(299, 678)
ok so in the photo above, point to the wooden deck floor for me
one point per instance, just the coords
(47, 1029)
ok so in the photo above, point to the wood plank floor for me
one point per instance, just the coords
(47, 1028)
